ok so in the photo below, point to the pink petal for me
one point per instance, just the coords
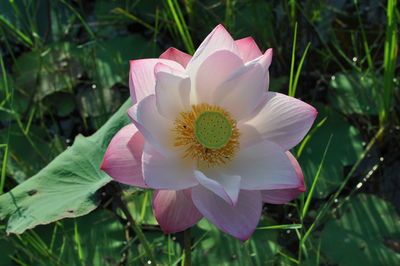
(242, 91)
(297, 168)
(155, 128)
(172, 91)
(264, 165)
(266, 58)
(239, 221)
(212, 72)
(224, 185)
(248, 49)
(170, 173)
(218, 39)
(280, 196)
(280, 119)
(123, 158)
(141, 77)
(174, 210)
(177, 56)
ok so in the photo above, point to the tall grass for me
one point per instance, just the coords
(389, 60)
(5, 146)
(294, 78)
(175, 11)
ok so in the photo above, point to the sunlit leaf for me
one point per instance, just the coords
(362, 233)
(354, 93)
(345, 149)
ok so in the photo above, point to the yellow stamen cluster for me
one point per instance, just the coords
(188, 134)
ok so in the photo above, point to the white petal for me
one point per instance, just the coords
(172, 91)
(141, 77)
(263, 166)
(218, 39)
(264, 60)
(241, 93)
(280, 196)
(280, 119)
(155, 128)
(170, 173)
(212, 72)
(225, 186)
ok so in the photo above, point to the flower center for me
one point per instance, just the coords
(212, 129)
(208, 134)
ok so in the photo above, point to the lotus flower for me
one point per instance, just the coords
(209, 137)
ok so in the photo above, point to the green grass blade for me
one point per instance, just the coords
(310, 194)
(322, 212)
(288, 257)
(181, 25)
(6, 147)
(280, 227)
(184, 26)
(144, 206)
(364, 37)
(228, 13)
(85, 25)
(291, 77)
(299, 67)
(77, 241)
(16, 32)
(121, 11)
(292, 5)
(308, 137)
(389, 60)
(20, 262)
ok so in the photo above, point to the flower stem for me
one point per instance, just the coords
(136, 228)
(188, 247)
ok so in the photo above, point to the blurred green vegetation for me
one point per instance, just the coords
(64, 72)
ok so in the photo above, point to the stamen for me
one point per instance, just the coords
(208, 134)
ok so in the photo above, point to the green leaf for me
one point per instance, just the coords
(345, 149)
(67, 186)
(64, 188)
(366, 223)
(354, 93)
(95, 102)
(104, 135)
